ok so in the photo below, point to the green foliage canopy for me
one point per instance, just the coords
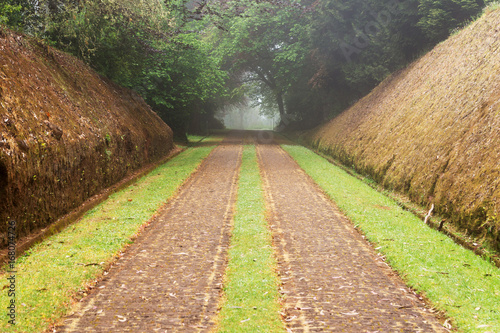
(307, 59)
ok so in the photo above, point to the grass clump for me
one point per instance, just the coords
(251, 302)
(54, 272)
(491, 6)
(459, 283)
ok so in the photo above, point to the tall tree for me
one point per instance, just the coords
(263, 42)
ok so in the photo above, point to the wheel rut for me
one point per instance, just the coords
(332, 280)
(171, 278)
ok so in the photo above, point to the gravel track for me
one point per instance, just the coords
(332, 278)
(170, 279)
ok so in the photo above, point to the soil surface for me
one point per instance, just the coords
(332, 278)
(171, 278)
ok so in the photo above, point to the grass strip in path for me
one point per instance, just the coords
(456, 281)
(53, 272)
(251, 301)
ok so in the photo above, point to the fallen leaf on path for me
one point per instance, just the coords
(352, 313)
(121, 319)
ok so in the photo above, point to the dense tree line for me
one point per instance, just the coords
(306, 59)
(311, 59)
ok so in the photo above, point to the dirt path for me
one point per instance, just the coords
(332, 280)
(170, 279)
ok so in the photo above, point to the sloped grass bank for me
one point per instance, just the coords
(430, 131)
(251, 301)
(54, 272)
(455, 280)
(66, 134)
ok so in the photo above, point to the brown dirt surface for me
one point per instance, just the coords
(332, 279)
(171, 278)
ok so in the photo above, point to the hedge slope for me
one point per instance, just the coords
(66, 133)
(432, 129)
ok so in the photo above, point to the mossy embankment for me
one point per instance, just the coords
(431, 130)
(66, 133)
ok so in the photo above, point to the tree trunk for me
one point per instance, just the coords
(281, 106)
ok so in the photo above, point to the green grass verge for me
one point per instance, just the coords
(251, 302)
(459, 283)
(59, 269)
